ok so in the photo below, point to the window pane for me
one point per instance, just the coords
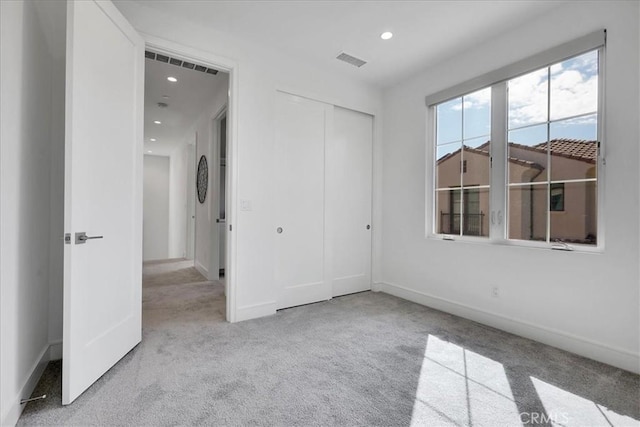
(449, 121)
(475, 220)
(448, 211)
(448, 163)
(530, 136)
(527, 154)
(528, 99)
(476, 162)
(573, 148)
(528, 212)
(577, 222)
(574, 86)
(477, 114)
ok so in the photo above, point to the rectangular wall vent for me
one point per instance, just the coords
(349, 59)
(179, 62)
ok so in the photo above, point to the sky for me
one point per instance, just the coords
(559, 93)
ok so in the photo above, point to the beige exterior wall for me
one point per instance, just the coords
(527, 210)
(476, 207)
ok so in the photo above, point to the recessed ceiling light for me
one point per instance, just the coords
(152, 139)
(158, 122)
(165, 96)
(386, 35)
(149, 151)
(173, 79)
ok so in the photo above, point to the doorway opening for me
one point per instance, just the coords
(184, 181)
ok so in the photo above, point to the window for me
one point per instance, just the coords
(552, 150)
(516, 154)
(556, 198)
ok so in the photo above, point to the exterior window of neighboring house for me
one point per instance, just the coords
(516, 153)
(556, 203)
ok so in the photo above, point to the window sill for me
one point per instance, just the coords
(574, 248)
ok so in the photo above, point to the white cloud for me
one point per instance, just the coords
(477, 100)
(571, 94)
(556, 68)
(528, 99)
(574, 91)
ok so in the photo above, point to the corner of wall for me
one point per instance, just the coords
(201, 269)
(255, 311)
(13, 412)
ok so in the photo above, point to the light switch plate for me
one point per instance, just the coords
(245, 205)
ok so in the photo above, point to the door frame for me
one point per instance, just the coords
(214, 170)
(229, 66)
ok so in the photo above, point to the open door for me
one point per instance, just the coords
(103, 193)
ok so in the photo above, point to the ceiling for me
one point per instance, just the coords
(187, 99)
(425, 32)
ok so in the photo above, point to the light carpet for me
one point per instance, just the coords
(359, 360)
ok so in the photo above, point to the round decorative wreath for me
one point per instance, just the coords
(202, 179)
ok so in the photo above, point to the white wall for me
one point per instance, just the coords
(56, 251)
(53, 19)
(178, 172)
(261, 70)
(205, 215)
(156, 208)
(26, 145)
(586, 303)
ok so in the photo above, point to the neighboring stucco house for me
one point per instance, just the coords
(569, 193)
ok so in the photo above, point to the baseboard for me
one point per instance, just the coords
(617, 357)
(376, 287)
(201, 269)
(55, 350)
(12, 415)
(254, 311)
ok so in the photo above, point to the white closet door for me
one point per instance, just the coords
(348, 206)
(299, 189)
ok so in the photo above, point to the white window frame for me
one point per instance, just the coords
(498, 80)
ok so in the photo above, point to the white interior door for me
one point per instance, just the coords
(348, 206)
(299, 189)
(103, 193)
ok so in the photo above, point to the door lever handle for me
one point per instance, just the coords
(82, 237)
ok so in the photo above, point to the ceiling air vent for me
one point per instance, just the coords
(179, 62)
(356, 62)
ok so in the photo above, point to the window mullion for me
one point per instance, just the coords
(498, 192)
(462, 201)
(549, 171)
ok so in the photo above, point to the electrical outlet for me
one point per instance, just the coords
(495, 292)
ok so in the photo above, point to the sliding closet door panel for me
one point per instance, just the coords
(348, 180)
(299, 189)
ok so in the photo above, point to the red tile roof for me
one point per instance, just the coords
(577, 149)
